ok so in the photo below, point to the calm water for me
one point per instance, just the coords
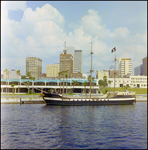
(71, 127)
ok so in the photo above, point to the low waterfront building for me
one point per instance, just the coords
(47, 84)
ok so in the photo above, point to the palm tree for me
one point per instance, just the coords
(28, 82)
(101, 84)
(105, 80)
(33, 78)
(12, 85)
(66, 76)
(84, 84)
(7, 72)
(18, 72)
(74, 83)
(93, 79)
(109, 82)
(28, 75)
(60, 80)
(63, 73)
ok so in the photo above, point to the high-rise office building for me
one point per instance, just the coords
(125, 67)
(144, 60)
(138, 70)
(66, 63)
(78, 61)
(52, 70)
(34, 66)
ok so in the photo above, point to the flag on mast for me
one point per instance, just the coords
(113, 50)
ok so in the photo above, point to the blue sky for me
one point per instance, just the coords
(40, 28)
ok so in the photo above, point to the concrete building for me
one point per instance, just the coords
(144, 60)
(138, 81)
(12, 74)
(52, 70)
(34, 66)
(78, 61)
(125, 67)
(111, 73)
(66, 63)
(138, 70)
(76, 75)
(102, 73)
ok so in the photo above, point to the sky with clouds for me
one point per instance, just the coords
(40, 28)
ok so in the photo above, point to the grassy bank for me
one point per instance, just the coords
(136, 90)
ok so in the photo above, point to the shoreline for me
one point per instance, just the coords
(39, 100)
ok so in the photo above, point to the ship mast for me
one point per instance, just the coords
(91, 69)
(64, 51)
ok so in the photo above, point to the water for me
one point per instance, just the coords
(39, 126)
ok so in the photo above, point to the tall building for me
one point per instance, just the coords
(125, 67)
(52, 70)
(66, 63)
(144, 60)
(78, 61)
(34, 66)
(138, 70)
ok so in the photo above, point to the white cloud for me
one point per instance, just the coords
(41, 34)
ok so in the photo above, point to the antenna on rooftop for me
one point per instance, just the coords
(65, 51)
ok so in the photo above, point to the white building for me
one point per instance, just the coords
(132, 81)
(12, 74)
(138, 81)
(125, 67)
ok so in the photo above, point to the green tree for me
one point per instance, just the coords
(66, 76)
(33, 78)
(105, 80)
(18, 72)
(93, 79)
(7, 77)
(109, 82)
(29, 75)
(101, 84)
(12, 85)
(60, 80)
(74, 83)
(28, 83)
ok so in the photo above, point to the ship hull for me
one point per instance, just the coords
(89, 102)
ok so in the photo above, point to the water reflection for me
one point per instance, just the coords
(45, 126)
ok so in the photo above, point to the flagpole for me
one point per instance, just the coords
(115, 69)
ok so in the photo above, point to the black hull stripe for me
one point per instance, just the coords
(88, 103)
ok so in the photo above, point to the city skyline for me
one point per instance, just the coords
(39, 29)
